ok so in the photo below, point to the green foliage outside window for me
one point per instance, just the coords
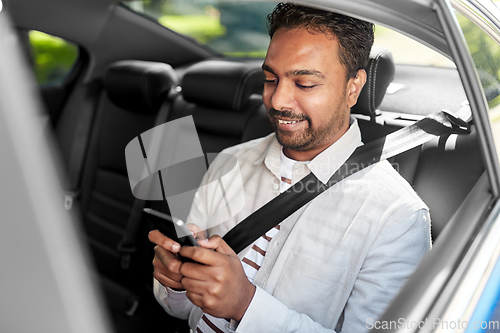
(201, 27)
(238, 28)
(53, 57)
(235, 29)
(486, 55)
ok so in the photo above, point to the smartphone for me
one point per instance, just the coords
(171, 227)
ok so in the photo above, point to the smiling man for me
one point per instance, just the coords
(336, 262)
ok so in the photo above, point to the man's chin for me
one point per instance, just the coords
(292, 141)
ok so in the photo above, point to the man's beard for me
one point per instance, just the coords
(308, 138)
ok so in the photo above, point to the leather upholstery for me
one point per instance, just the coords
(134, 92)
(139, 86)
(380, 73)
(221, 84)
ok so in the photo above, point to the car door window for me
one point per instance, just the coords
(52, 57)
(485, 53)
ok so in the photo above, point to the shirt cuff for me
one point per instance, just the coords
(173, 302)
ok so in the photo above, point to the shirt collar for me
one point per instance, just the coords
(324, 165)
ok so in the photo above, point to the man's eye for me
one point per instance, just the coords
(269, 80)
(306, 86)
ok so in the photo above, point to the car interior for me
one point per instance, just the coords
(108, 99)
(223, 99)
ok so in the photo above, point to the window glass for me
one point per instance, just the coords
(53, 57)
(486, 55)
(233, 28)
(238, 28)
(407, 51)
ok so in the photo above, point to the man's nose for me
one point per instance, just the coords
(283, 97)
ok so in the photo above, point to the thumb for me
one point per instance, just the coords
(216, 243)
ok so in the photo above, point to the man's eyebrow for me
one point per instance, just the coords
(304, 72)
(266, 68)
(297, 72)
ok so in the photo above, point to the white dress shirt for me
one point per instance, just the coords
(337, 262)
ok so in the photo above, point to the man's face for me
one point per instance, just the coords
(306, 94)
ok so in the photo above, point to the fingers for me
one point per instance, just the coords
(201, 289)
(166, 281)
(195, 286)
(167, 268)
(196, 231)
(203, 253)
(222, 289)
(160, 239)
(167, 259)
(218, 244)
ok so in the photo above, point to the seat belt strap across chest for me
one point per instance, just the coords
(285, 204)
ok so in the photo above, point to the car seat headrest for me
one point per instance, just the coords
(139, 86)
(221, 84)
(380, 73)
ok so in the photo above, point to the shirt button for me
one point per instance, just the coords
(276, 187)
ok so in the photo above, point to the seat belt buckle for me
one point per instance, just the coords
(457, 124)
(132, 308)
(69, 198)
(126, 252)
(460, 119)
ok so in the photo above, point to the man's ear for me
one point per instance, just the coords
(354, 86)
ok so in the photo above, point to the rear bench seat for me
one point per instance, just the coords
(133, 94)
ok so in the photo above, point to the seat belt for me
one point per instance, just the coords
(80, 143)
(127, 245)
(285, 204)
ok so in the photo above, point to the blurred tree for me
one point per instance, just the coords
(486, 55)
(53, 57)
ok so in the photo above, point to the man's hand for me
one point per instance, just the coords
(218, 284)
(166, 263)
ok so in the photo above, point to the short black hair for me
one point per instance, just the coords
(354, 36)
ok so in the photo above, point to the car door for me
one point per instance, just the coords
(455, 288)
(45, 282)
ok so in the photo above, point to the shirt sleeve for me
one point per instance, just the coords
(267, 314)
(175, 303)
(392, 258)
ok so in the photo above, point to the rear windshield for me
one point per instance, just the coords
(235, 29)
(238, 28)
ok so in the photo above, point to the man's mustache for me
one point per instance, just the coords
(287, 114)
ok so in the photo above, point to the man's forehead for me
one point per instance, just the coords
(300, 52)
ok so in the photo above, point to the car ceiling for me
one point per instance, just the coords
(98, 24)
(417, 19)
